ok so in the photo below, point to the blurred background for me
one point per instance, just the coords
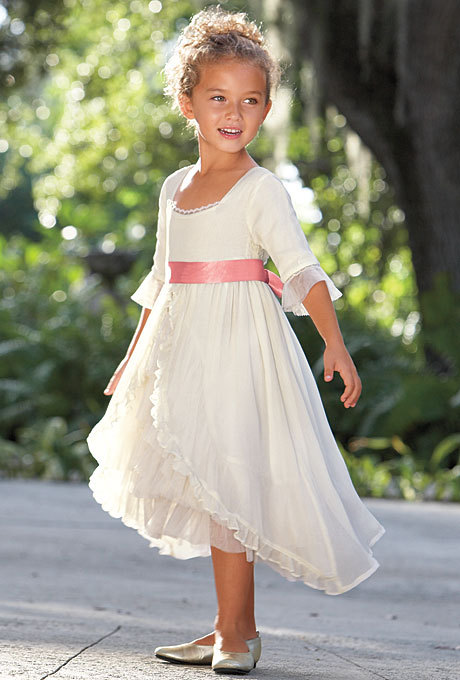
(364, 134)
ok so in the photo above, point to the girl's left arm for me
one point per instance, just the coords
(307, 289)
(336, 357)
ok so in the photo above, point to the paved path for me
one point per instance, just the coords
(82, 593)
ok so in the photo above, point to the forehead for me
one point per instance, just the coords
(231, 73)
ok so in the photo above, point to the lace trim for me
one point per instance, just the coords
(186, 211)
(297, 287)
(147, 293)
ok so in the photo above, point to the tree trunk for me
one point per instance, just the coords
(393, 69)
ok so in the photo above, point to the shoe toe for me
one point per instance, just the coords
(186, 653)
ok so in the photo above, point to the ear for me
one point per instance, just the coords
(266, 110)
(185, 106)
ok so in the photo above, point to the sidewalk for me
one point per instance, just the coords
(81, 592)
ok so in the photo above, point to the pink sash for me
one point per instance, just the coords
(225, 270)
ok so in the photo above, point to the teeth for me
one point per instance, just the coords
(231, 131)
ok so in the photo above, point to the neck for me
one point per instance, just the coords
(220, 161)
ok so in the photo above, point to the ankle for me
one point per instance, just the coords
(235, 629)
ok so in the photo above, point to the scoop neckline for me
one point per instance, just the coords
(209, 206)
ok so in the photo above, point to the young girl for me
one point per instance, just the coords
(215, 441)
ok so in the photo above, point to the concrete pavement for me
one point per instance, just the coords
(84, 597)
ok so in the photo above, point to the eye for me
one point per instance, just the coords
(221, 96)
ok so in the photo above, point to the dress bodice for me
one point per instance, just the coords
(218, 231)
(254, 220)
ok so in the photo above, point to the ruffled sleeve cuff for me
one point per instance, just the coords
(297, 287)
(148, 291)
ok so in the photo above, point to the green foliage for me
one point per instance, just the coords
(94, 132)
(95, 136)
(48, 450)
(404, 475)
(63, 334)
(441, 321)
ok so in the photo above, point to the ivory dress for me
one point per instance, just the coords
(216, 433)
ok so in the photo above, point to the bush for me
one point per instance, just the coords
(63, 334)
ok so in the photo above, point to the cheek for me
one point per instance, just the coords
(211, 113)
(256, 115)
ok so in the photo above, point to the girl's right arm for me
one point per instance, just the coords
(148, 291)
(114, 380)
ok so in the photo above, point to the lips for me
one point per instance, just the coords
(230, 132)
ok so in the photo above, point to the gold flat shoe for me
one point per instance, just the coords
(201, 655)
(232, 662)
(255, 646)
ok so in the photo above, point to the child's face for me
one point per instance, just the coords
(229, 94)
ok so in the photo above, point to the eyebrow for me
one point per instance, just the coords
(219, 89)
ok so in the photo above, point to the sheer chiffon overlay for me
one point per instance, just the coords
(216, 433)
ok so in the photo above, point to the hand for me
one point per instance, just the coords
(337, 358)
(115, 379)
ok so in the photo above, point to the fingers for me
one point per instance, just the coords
(338, 359)
(328, 371)
(111, 385)
(352, 389)
(115, 379)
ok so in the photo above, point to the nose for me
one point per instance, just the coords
(232, 111)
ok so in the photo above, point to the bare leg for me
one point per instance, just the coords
(234, 622)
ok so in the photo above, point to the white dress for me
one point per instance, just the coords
(216, 433)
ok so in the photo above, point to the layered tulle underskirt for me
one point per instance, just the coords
(216, 432)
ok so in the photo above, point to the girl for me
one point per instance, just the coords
(215, 440)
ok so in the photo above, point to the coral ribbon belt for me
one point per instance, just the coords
(224, 270)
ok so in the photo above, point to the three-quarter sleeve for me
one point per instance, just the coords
(274, 226)
(148, 291)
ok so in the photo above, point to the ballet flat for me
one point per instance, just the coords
(201, 655)
(232, 662)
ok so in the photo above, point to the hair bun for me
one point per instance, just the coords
(209, 24)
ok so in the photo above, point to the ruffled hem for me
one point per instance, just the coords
(136, 510)
(297, 287)
(257, 548)
(147, 293)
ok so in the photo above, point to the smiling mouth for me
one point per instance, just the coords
(230, 132)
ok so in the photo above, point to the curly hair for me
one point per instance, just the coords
(214, 34)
